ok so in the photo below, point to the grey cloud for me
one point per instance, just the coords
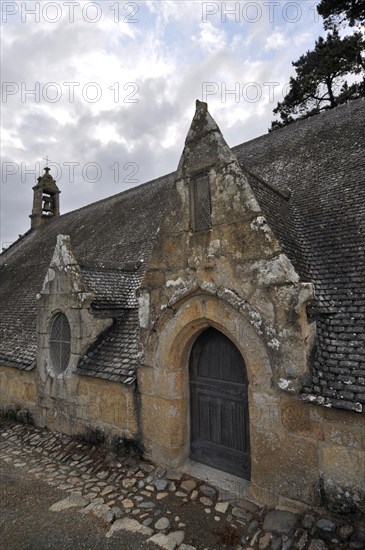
(165, 102)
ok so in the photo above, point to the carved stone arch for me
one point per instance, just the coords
(164, 382)
(178, 329)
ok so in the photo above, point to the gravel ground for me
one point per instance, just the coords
(27, 523)
(120, 501)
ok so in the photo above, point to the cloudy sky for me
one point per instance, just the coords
(107, 90)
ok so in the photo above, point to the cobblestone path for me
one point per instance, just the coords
(169, 508)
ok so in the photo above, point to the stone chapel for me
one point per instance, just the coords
(215, 314)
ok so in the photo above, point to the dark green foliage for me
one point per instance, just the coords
(119, 445)
(17, 414)
(320, 78)
(355, 91)
(123, 446)
(335, 12)
(92, 436)
(227, 535)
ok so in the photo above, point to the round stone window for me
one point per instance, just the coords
(60, 343)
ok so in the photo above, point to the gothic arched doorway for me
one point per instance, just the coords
(219, 405)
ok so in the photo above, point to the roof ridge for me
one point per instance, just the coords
(301, 121)
(20, 238)
(124, 193)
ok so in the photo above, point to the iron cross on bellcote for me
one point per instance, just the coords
(47, 162)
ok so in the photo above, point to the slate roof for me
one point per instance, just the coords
(113, 289)
(114, 355)
(113, 236)
(309, 181)
(321, 160)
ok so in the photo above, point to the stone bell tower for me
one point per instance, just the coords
(46, 202)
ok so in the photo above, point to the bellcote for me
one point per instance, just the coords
(46, 204)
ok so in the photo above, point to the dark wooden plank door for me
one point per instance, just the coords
(219, 405)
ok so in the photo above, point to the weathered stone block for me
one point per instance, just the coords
(296, 418)
(264, 412)
(171, 384)
(345, 436)
(343, 475)
(299, 454)
(105, 402)
(171, 457)
(154, 278)
(248, 243)
(145, 380)
(165, 420)
(344, 418)
(16, 387)
(344, 466)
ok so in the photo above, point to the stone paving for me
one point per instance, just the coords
(170, 508)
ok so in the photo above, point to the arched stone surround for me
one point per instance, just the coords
(165, 407)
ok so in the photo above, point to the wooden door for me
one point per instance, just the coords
(219, 405)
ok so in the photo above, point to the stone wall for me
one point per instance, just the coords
(64, 292)
(309, 445)
(235, 277)
(341, 457)
(94, 403)
(325, 447)
(65, 401)
(17, 389)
